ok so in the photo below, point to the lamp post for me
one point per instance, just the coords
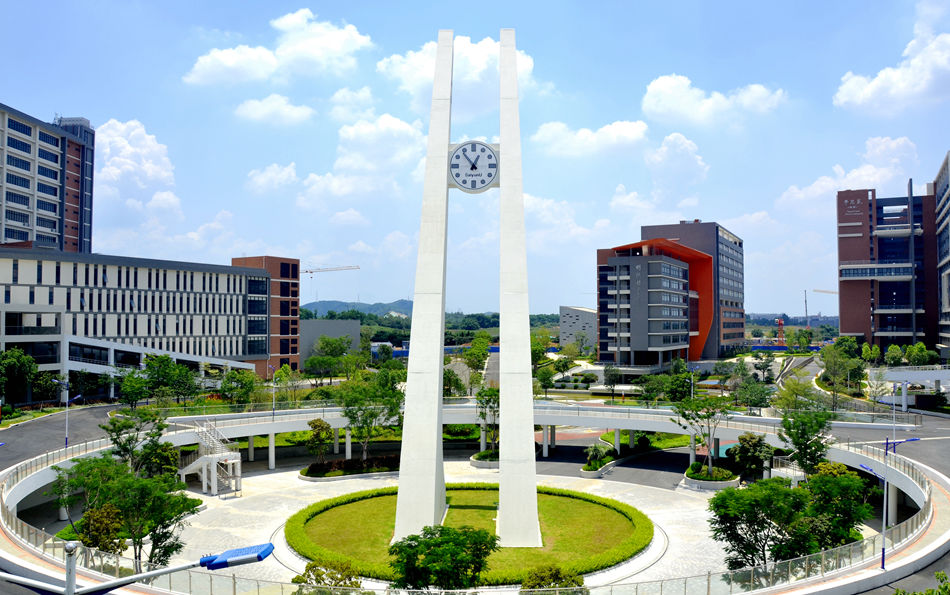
(226, 559)
(273, 394)
(68, 401)
(888, 445)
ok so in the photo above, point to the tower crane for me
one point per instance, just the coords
(348, 267)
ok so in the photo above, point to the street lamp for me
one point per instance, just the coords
(273, 394)
(888, 445)
(227, 559)
(68, 401)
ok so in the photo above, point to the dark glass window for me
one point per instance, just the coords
(49, 139)
(18, 181)
(15, 161)
(19, 145)
(19, 127)
(47, 155)
(20, 199)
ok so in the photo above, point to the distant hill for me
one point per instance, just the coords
(320, 308)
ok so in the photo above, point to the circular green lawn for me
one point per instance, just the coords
(580, 532)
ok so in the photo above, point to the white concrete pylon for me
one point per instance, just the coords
(421, 498)
(517, 524)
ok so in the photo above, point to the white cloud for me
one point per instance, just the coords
(885, 160)
(673, 97)
(319, 187)
(348, 217)
(475, 75)
(396, 245)
(386, 144)
(558, 139)
(273, 109)
(239, 64)
(349, 105)
(165, 203)
(553, 223)
(640, 210)
(271, 178)
(922, 76)
(677, 159)
(360, 247)
(125, 152)
(303, 46)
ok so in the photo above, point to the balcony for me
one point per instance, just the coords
(897, 309)
(902, 230)
(896, 331)
(878, 271)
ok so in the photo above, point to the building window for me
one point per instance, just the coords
(32, 296)
(19, 145)
(285, 269)
(17, 235)
(19, 127)
(6, 294)
(15, 161)
(17, 198)
(18, 181)
(47, 155)
(47, 172)
(57, 273)
(46, 222)
(47, 189)
(17, 217)
(44, 205)
(48, 138)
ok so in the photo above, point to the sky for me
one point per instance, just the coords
(244, 128)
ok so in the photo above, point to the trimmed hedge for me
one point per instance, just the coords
(294, 532)
(337, 467)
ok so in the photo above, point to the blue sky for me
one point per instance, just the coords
(243, 128)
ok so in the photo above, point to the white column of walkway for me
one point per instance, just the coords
(517, 524)
(421, 498)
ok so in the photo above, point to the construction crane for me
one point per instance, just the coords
(825, 291)
(349, 267)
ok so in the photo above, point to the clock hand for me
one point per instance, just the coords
(475, 163)
(467, 159)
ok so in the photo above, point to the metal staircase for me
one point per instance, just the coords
(217, 462)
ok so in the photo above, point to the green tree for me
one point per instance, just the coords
(100, 529)
(238, 385)
(184, 383)
(368, 406)
(474, 381)
(546, 378)
(333, 346)
(477, 353)
(443, 557)
(539, 347)
(760, 523)
(751, 453)
(838, 500)
(796, 393)
(654, 386)
(894, 356)
(611, 378)
(702, 416)
(837, 366)
(289, 380)
(680, 387)
(551, 576)
(563, 364)
(806, 432)
(43, 387)
(319, 439)
(321, 366)
(875, 353)
(451, 383)
(580, 341)
(678, 367)
(487, 404)
(327, 573)
(803, 339)
(762, 362)
(752, 394)
(848, 346)
(595, 452)
(160, 370)
(723, 370)
(943, 587)
(352, 363)
(133, 387)
(384, 353)
(17, 370)
(866, 352)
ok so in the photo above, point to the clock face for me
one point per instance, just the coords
(473, 166)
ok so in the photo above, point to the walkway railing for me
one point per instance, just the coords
(813, 567)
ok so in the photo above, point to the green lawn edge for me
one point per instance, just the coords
(641, 537)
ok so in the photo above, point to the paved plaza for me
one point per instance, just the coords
(681, 543)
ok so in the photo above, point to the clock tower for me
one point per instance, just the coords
(472, 167)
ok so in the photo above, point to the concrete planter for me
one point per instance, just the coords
(482, 464)
(303, 477)
(600, 472)
(711, 486)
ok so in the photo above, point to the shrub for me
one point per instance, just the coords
(459, 430)
(702, 473)
(338, 467)
(486, 455)
(553, 577)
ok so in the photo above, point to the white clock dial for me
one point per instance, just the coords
(473, 166)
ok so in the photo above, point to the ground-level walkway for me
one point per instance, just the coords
(681, 542)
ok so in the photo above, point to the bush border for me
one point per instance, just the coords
(641, 537)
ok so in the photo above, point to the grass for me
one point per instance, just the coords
(22, 415)
(581, 532)
(658, 440)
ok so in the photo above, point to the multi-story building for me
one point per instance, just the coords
(46, 173)
(575, 323)
(887, 267)
(281, 339)
(654, 304)
(941, 192)
(94, 312)
(728, 282)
